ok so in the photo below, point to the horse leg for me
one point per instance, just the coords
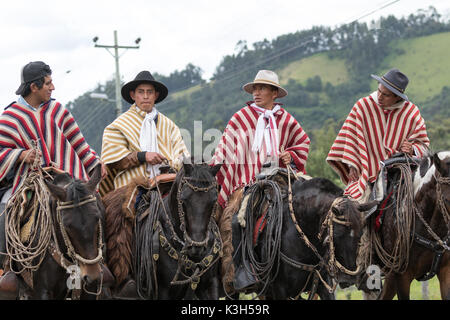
(404, 285)
(389, 287)
(444, 277)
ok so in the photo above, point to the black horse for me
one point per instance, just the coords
(72, 260)
(176, 242)
(318, 240)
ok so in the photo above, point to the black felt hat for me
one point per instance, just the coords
(144, 77)
(395, 81)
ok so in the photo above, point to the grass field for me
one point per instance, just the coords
(329, 70)
(416, 291)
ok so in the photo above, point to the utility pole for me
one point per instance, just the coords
(116, 57)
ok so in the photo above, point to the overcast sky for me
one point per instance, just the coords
(173, 32)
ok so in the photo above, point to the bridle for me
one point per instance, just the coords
(71, 252)
(184, 262)
(188, 242)
(70, 248)
(330, 219)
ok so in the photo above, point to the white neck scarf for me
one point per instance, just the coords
(268, 132)
(148, 139)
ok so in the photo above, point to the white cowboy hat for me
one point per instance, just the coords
(266, 77)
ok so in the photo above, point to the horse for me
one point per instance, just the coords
(318, 237)
(172, 244)
(71, 260)
(427, 247)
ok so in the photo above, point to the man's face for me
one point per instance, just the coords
(145, 96)
(386, 98)
(43, 94)
(264, 96)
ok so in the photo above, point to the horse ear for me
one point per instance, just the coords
(437, 162)
(214, 169)
(188, 169)
(95, 178)
(57, 191)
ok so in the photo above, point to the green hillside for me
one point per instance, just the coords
(325, 71)
(426, 62)
(320, 64)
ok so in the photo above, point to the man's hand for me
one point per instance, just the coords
(285, 157)
(154, 158)
(29, 156)
(406, 147)
(352, 174)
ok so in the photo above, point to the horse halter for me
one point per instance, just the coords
(329, 221)
(185, 181)
(70, 249)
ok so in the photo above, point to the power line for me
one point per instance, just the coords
(232, 74)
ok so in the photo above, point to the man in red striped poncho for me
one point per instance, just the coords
(261, 131)
(37, 126)
(378, 126)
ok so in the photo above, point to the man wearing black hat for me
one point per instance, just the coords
(38, 129)
(142, 138)
(378, 126)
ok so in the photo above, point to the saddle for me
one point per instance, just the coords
(141, 185)
(386, 185)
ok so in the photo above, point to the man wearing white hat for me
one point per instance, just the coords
(259, 132)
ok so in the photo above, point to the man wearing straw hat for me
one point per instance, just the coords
(378, 126)
(260, 132)
(142, 138)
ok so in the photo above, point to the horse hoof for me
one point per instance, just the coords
(9, 286)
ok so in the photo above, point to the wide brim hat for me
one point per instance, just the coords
(395, 81)
(144, 77)
(266, 77)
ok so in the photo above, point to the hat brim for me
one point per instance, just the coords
(249, 88)
(132, 85)
(391, 88)
(21, 89)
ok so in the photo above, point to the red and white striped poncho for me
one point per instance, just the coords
(371, 134)
(241, 164)
(59, 139)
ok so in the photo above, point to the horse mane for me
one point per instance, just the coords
(348, 207)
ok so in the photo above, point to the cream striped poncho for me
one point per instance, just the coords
(57, 135)
(121, 137)
(240, 163)
(371, 134)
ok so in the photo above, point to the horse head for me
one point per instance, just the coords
(78, 217)
(197, 195)
(432, 191)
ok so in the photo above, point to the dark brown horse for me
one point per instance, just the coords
(72, 260)
(162, 247)
(428, 239)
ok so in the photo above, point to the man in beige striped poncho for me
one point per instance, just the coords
(139, 140)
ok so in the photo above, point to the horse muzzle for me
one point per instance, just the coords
(90, 273)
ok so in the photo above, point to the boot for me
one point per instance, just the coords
(128, 291)
(9, 286)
